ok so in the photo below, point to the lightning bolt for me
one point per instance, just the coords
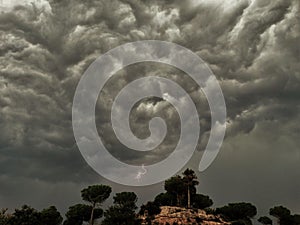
(139, 175)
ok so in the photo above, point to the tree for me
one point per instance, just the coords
(201, 201)
(190, 181)
(81, 212)
(238, 211)
(175, 186)
(149, 210)
(165, 199)
(265, 220)
(25, 216)
(284, 216)
(95, 195)
(296, 219)
(126, 200)
(123, 210)
(50, 216)
(152, 209)
(279, 212)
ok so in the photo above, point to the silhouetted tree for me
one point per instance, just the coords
(284, 216)
(81, 212)
(175, 186)
(126, 199)
(296, 219)
(123, 210)
(238, 211)
(190, 181)
(165, 199)
(50, 216)
(25, 216)
(95, 195)
(152, 209)
(279, 212)
(201, 201)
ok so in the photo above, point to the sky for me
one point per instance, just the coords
(252, 47)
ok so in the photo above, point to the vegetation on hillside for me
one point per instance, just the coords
(179, 191)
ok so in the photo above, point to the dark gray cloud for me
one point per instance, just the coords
(251, 46)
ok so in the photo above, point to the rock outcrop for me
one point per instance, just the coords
(171, 215)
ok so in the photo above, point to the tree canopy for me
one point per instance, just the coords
(284, 216)
(25, 216)
(123, 210)
(152, 209)
(190, 181)
(79, 213)
(241, 212)
(201, 201)
(51, 216)
(175, 186)
(180, 190)
(95, 194)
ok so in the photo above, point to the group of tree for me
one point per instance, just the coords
(282, 215)
(180, 191)
(242, 213)
(30, 216)
(121, 213)
(238, 213)
(123, 210)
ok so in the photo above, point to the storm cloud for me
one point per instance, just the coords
(251, 46)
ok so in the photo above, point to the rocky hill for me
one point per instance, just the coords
(171, 215)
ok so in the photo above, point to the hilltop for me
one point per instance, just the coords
(172, 215)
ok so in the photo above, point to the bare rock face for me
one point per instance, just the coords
(171, 215)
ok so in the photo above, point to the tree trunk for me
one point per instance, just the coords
(189, 198)
(92, 215)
